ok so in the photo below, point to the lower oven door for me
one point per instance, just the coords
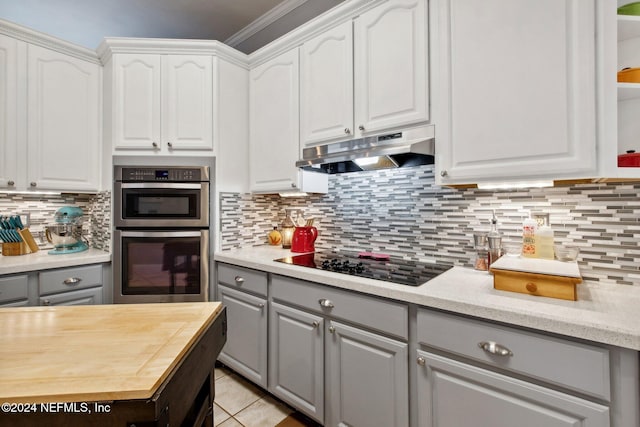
(160, 266)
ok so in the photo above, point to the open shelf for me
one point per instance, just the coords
(628, 91)
(628, 27)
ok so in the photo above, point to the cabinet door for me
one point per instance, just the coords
(90, 296)
(274, 121)
(326, 86)
(246, 348)
(187, 100)
(516, 89)
(368, 376)
(136, 101)
(296, 359)
(391, 65)
(451, 393)
(63, 121)
(8, 111)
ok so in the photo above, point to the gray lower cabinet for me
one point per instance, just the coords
(474, 372)
(296, 359)
(452, 393)
(329, 365)
(91, 296)
(71, 286)
(243, 292)
(367, 378)
(14, 291)
(246, 348)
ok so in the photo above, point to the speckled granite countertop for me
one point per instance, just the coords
(604, 313)
(41, 260)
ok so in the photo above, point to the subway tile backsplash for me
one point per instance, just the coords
(402, 212)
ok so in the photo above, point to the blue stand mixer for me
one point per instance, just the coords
(66, 233)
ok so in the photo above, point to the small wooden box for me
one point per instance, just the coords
(538, 277)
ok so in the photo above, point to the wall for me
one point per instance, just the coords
(402, 212)
(41, 209)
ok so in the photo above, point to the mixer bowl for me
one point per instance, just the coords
(63, 235)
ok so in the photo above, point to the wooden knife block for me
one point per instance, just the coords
(27, 246)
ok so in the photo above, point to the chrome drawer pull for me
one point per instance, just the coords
(315, 325)
(72, 281)
(325, 303)
(332, 329)
(495, 348)
(239, 280)
(421, 361)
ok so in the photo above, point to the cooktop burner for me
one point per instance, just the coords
(395, 270)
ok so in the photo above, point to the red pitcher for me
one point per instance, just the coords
(303, 238)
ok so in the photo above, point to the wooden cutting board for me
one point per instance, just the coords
(95, 353)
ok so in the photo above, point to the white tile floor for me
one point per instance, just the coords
(238, 403)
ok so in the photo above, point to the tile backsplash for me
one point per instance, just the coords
(41, 208)
(402, 212)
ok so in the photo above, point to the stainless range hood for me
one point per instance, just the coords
(411, 147)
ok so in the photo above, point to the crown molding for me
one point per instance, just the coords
(115, 45)
(44, 40)
(345, 11)
(264, 21)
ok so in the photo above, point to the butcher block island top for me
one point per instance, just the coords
(120, 352)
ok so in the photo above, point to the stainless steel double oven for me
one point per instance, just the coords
(161, 234)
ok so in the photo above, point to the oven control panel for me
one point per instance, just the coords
(150, 174)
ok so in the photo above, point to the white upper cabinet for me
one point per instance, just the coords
(374, 67)
(8, 112)
(274, 139)
(64, 120)
(273, 118)
(326, 86)
(50, 118)
(162, 103)
(391, 66)
(136, 109)
(514, 85)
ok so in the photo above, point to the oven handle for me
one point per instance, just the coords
(178, 185)
(124, 233)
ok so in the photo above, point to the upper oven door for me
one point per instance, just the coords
(152, 204)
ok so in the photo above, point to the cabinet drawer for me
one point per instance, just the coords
(81, 297)
(243, 278)
(569, 364)
(68, 279)
(14, 288)
(373, 313)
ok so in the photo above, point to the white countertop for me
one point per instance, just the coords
(41, 260)
(604, 313)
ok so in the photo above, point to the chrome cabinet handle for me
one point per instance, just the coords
(46, 302)
(170, 145)
(72, 281)
(332, 329)
(493, 347)
(361, 127)
(444, 173)
(33, 184)
(154, 144)
(239, 280)
(325, 303)
(293, 185)
(260, 306)
(314, 325)
(421, 361)
(11, 183)
(347, 130)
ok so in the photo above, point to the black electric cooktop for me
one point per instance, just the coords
(395, 270)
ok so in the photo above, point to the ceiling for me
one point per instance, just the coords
(244, 24)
